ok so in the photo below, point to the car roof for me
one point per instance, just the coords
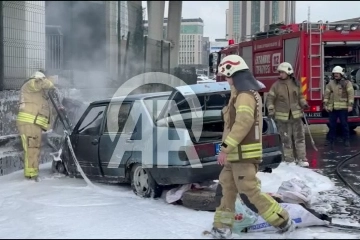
(133, 97)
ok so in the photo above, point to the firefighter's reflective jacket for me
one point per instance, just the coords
(34, 106)
(242, 137)
(285, 98)
(339, 95)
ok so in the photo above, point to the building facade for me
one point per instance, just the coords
(64, 38)
(191, 40)
(22, 37)
(245, 18)
(216, 46)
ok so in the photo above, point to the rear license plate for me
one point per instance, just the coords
(313, 114)
(217, 148)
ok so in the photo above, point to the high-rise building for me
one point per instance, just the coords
(227, 14)
(249, 17)
(191, 40)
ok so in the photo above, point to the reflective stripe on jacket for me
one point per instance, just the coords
(29, 118)
(339, 95)
(285, 98)
(242, 137)
(34, 107)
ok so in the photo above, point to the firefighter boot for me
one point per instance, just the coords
(289, 227)
(302, 163)
(35, 178)
(221, 233)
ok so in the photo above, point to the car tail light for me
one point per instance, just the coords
(198, 151)
(270, 141)
(315, 108)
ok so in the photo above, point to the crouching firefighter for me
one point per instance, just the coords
(32, 120)
(285, 103)
(338, 102)
(241, 152)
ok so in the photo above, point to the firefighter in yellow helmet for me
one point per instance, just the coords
(338, 102)
(241, 152)
(33, 118)
(285, 103)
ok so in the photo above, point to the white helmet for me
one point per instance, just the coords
(38, 75)
(285, 67)
(231, 64)
(338, 69)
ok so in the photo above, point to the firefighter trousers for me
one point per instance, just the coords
(238, 177)
(342, 115)
(31, 142)
(292, 135)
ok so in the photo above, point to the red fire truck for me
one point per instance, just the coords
(313, 49)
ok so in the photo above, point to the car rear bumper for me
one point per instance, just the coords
(209, 171)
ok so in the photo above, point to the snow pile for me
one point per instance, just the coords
(62, 207)
(272, 181)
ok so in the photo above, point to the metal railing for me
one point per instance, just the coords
(305, 25)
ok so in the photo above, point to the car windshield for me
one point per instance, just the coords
(154, 105)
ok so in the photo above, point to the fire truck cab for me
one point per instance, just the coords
(313, 49)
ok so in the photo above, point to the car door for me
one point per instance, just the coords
(87, 137)
(116, 141)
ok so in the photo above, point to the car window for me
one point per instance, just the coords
(92, 122)
(154, 105)
(117, 116)
(214, 101)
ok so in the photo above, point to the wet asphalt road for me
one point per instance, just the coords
(344, 202)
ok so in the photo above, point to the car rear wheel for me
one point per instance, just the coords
(143, 184)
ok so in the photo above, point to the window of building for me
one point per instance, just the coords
(255, 17)
(191, 29)
(275, 12)
(124, 18)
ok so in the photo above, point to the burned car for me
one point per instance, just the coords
(132, 153)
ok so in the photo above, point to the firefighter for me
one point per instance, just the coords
(241, 152)
(33, 118)
(285, 103)
(342, 92)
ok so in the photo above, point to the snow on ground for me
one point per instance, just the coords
(62, 207)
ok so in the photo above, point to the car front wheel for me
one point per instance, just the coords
(143, 184)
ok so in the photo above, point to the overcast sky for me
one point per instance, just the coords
(213, 13)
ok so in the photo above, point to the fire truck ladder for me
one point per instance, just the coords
(314, 31)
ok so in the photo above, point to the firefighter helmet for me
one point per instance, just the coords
(285, 67)
(338, 69)
(43, 71)
(38, 75)
(232, 64)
